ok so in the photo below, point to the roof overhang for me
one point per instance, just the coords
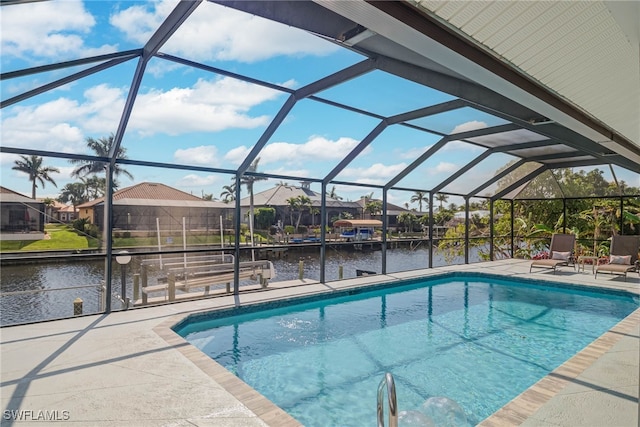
(400, 29)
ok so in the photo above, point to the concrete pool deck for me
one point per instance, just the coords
(129, 368)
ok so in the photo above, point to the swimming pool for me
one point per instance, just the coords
(475, 339)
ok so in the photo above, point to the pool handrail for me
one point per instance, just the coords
(391, 398)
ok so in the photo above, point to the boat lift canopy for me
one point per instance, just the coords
(357, 223)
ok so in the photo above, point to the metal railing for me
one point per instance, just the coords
(391, 398)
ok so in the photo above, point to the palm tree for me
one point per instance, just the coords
(304, 202)
(407, 219)
(228, 193)
(94, 186)
(442, 198)
(419, 196)
(73, 193)
(333, 195)
(293, 203)
(313, 211)
(373, 207)
(32, 165)
(48, 208)
(101, 148)
(248, 181)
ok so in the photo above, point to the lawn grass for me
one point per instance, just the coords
(61, 237)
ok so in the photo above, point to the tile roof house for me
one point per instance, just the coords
(277, 197)
(21, 217)
(58, 212)
(141, 207)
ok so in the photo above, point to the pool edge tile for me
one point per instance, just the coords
(526, 404)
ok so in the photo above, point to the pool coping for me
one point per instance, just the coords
(517, 411)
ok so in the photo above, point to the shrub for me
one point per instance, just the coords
(80, 224)
(289, 229)
(92, 230)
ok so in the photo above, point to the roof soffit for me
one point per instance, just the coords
(372, 17)
(565, 46)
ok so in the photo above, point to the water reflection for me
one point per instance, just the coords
(55, 279)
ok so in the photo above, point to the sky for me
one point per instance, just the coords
(187, 116)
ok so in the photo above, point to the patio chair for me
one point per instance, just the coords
(560, 253)
(624, 256)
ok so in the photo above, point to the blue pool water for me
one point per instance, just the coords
(477, 340)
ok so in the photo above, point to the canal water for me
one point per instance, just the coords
(44, 291)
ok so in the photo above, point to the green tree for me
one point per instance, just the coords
(48, 208)
(292, 203)
(342, 215)
(442, 199)
(373, 207)
(265, 217)
(248, 181)
(101, 148)
(407, 219)
(313, 212)
(228, 193)
(73, 193)
(94, 186)
(38, 173)
(424, 221)
(419, 197)
(333, 195)
(298, 204)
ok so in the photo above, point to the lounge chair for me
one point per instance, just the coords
(560, 253)
(624, 256)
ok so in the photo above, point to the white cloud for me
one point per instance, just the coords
(443, 167)
(377, 172)
(65, 174)
(303, 173)
(208, 106)
(139, 22)
(46, 127)
(51, 29)
(317, 148)
(372, 181)
(214, 32)
(236, 155)
(467, 126)
(193, 180)
(410, 154)
(206, 155)
(464, 127)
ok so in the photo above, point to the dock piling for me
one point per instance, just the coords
(136, 286)
(171, 280)
(77, 306)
